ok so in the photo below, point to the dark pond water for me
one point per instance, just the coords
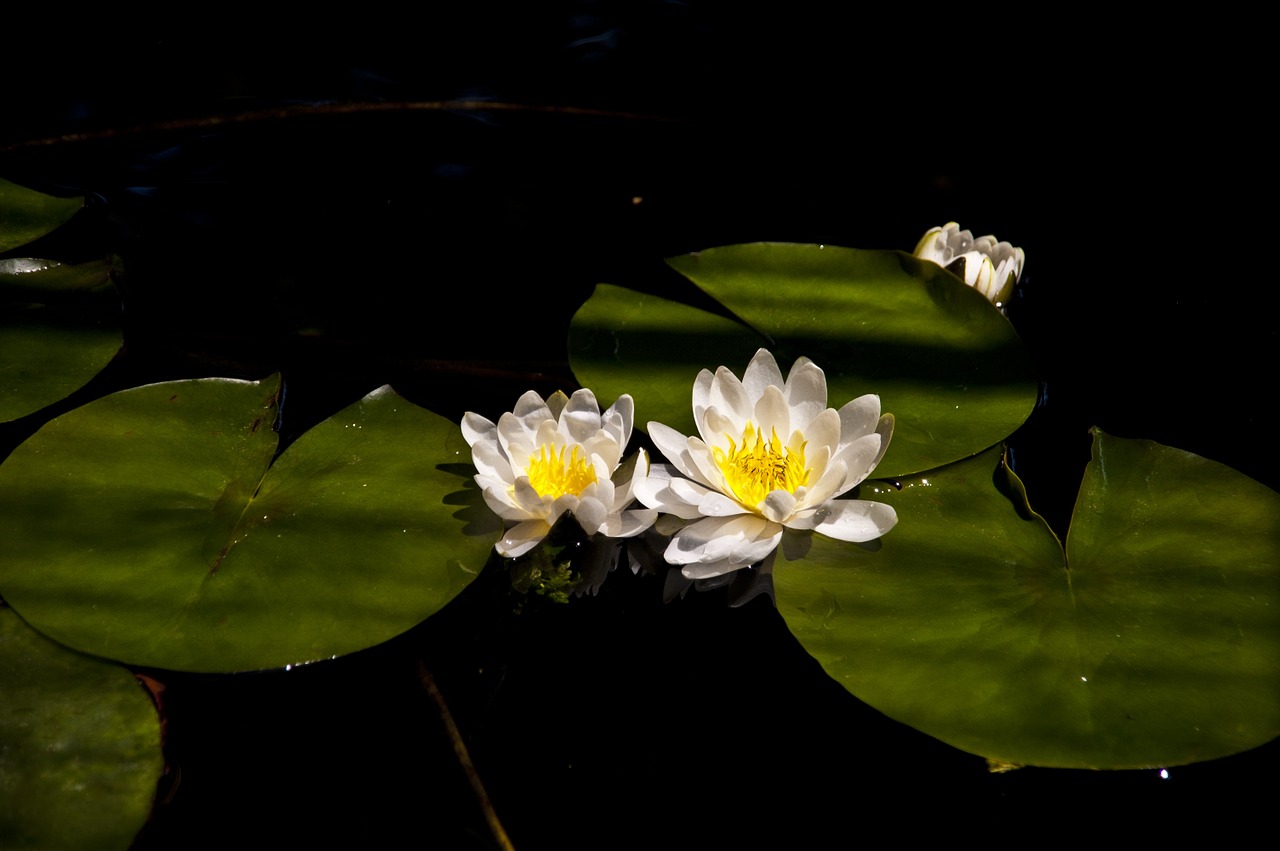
(424, 248)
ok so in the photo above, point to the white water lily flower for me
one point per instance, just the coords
(990, 267)
(771, 455)
(546, 458)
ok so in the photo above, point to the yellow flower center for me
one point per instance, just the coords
(552, 476)
(760, 466)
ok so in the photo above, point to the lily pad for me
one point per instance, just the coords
(944, 361)
(153, 527)
(27, 215)
(1152, 641)
(47, 352)
(80, 751)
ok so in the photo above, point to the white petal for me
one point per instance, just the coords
(617, 420)
(590, 514)
(518, 456)
(884, 428)
(647, 489)
(604, 453)
(828, 485)
(490, 461)
(778, 506)
(499, 499)
(932, 246)
(548, 433)
(690, 493)
(817, 458)
(521, 538)
(529, 500)
(717, 429)
(602, 489)
(513, 430)
(859, 417)
(752, 550)
(530, 411)
(477, 428)
(772, 414)
(982, 278)
(716, 504)
(728, 395)
(823, 431)
(743, 539)
(806, 392)
(624, 489)
(762, 372)
(561, 504)
(854, 520)
(581, 417)
(669, 494)
(858, 458)
(967, 265)
(702, 393)
(675, 446)
(629, 523)
(705, 468)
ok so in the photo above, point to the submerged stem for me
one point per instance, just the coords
(464, 759)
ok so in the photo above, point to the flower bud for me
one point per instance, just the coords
(990, 267)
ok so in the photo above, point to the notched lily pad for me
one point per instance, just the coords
(152, 526)
(1154, 640)
(80, 751)
(943, 359)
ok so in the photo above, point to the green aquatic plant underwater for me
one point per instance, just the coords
(866, 491)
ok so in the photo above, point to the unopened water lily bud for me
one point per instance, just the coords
(990, 267)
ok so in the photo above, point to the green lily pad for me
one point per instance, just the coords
(27, 215)
(1153, 641)
(47, 352)
(151, 526)
(623, 341)
(944, 361)
(80, 751)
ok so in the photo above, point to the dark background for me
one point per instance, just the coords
(283, 198)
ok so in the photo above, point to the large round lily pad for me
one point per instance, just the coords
(80, 748)
(153, 527)
(944, 361)
(1153, 641)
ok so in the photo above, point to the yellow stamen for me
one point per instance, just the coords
(761, 466)
(552, 476)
